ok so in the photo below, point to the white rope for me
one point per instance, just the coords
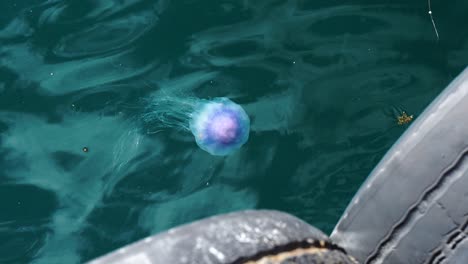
(432, 19)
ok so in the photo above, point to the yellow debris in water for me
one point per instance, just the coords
(404, 118)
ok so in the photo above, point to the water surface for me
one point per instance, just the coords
(322, 82)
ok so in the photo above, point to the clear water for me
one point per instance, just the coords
(322, 82)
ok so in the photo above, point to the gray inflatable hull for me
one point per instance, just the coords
(413, 208)
(253, 237)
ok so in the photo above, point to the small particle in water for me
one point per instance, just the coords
(404, 118)
(85, 149)
(51, 74)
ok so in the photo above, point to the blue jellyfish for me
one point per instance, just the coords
(219, 126)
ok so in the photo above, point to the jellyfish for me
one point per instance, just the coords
(219, 126)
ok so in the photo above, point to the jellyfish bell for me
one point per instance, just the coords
(220, 126)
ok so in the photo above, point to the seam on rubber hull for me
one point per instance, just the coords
(309, 244)
(413, 214)
(448, 245)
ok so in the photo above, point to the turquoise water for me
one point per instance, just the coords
(322, 82)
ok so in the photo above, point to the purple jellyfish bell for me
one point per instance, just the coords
(220, 126)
